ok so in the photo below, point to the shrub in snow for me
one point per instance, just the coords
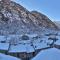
(41, 41)
(3, 41)
(53, 37)
(35, 37)
(48, 34)
(25, 37)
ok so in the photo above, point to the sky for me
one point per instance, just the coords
(51, 8)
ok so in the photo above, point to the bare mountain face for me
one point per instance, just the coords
(15, 19)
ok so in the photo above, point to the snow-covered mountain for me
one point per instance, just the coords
(15, 19)
(57, 23)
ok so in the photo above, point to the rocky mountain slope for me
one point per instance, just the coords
(43, 20)
(15, 19)
(57, 23)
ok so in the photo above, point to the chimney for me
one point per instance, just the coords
(6, 1)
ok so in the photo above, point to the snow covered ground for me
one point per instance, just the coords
(7, 57)
(14, 43)
(31, 45)
(49, 54)
(58, 41)
(39, 44)
(4, 46)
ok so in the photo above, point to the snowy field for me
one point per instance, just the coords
(7, 57)
(49, 54)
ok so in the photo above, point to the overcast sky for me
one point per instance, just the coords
(51, 8)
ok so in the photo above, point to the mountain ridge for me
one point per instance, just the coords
(15, 19)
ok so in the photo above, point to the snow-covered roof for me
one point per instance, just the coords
(24, 41)
(39, 45)
(21, 48)
(7, 57)
(2, 38)
(32, 35)
(57, 42)
(29, 48)
(58, 37)
(17, 48)
(4, 46)
(49, 41)
(49, 54)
